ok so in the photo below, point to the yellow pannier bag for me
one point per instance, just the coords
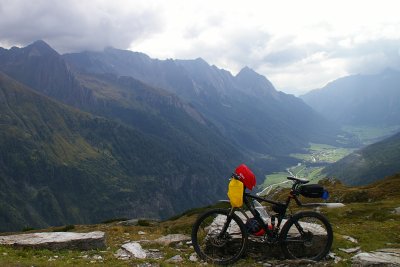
(235, 193)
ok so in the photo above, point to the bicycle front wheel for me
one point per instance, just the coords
(218, 237)
(306, 235)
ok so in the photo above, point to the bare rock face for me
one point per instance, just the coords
(56, 240)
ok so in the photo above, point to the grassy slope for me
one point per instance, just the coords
(368, 216)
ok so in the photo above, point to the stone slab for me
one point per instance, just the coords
(383, 257)
(56, 240)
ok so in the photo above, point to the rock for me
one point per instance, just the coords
(97, 257)
(175, 259)
(155, 254)
(132, 222)
(335, 258)
(172, 239)
(351, 239)
(193, 257)
(141, 233)
(135, 250)
(390, 250)
(142, 222)
(383, 257)
(147, 264)
(397, 211)
(122, 254)
(56, 240)
(350, 250)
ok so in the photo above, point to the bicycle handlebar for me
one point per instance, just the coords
(235, 176)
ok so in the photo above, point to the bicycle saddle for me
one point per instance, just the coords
(299, 180)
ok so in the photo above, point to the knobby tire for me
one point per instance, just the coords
(306, 235)
(213, 247)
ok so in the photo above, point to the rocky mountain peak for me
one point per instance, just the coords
(40, 48)
(254, 83)
(247, 71)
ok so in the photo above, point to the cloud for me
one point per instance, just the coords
(76, 25)
(371, 56)
(298, 45)
(296, 67)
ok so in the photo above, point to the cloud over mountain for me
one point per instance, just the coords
(76, 25)
(298, 45)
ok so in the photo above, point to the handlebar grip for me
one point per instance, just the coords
(235, 176)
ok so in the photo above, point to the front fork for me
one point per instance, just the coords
(228, 221)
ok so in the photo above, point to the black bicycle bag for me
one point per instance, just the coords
(312, 191)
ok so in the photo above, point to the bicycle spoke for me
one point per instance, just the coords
(307, 235)
(217, 239)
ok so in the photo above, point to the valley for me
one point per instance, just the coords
(108, 129)
(310, 163)
(317, 156)
(125, 124)
(370, 134)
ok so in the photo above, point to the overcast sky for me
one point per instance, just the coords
(297, 45)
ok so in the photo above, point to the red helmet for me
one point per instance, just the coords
(247, 177)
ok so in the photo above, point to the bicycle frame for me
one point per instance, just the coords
(227, 238)
(282, 208)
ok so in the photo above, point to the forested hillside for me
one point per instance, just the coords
(368, 164)
(60, 166)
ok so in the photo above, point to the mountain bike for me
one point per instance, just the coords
(221, 236)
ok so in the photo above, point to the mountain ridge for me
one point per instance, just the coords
(222, 99)
(360, 99)
(176, 124)
(40, 67)
(123, 99)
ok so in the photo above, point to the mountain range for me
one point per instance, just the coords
(96, 135)
(60, 165)
(363, 102)
(245, 108)
(141, 151)
(360, 100)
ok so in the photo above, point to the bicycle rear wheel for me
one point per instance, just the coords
(219, 238)
(307, 235)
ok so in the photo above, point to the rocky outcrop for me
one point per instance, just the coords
(56, 240)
